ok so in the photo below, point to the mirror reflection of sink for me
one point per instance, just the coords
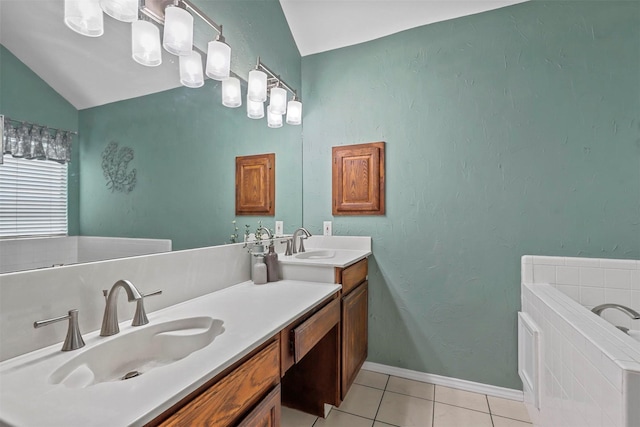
(132, 354)
(320, 254)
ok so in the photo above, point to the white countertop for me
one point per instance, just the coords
(251, 313)
(341, 257)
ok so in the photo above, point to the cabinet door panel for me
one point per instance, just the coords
(354, 334)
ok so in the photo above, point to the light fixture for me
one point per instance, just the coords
(84, 17)
(191, 70)
(257, 87)
(122, 10)
(255, 110)
(273, 120)
(278, 101)
(294, 111)
(145, 43)
(231, 95)
(178, 31)
(218, 58)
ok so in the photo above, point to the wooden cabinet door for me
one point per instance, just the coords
(256, 184)
(358, 179)
(355, 315)
(267, 413)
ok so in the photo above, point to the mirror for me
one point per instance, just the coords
(183, 140)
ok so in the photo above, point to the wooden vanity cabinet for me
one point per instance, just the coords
(248, 395)
(354, 320)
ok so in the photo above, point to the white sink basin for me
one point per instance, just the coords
(319, 254)
(635, 334)
(138, 352)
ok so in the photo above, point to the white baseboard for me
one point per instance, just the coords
(491, 390)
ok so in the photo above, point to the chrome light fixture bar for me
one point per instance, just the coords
(263, 80)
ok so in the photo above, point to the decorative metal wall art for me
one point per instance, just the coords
(115, 162)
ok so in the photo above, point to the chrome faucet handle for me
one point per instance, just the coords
(287, 252)
(301, 248)
(140, 317)
(74, 340)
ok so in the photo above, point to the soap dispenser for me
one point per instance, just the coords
(271, 259)
(259, 270)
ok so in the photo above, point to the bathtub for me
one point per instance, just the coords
(577, 368)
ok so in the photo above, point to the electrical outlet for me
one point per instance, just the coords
(279, 228)
(326, 228)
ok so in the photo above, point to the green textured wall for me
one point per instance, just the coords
(511, 132)
(25, 96)
(185, 143)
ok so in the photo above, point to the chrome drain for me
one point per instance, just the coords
(131, 374)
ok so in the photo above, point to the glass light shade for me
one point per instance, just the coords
(278, 103)
(294, 112)
(231, 95)
(257, 90)
(191, 70)
(84, 17)
(122, 10)
(218, 60)
(255, 110)
(273, 120)
(145, 43)
(178, 31)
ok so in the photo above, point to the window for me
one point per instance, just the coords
(33, 198)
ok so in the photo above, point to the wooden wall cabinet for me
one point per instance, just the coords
(256, 185)
(358, 179)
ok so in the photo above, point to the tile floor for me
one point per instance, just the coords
(379, 400)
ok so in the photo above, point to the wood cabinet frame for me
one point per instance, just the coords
(358, 179)
(256, 184)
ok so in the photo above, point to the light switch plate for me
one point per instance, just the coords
(326, 228)
(279, 228)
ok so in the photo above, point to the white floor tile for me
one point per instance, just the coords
(465, 399)
(293, 418)
(379, 424)
(508, 422)
(410, 387)
(454, 416)
(341, 419)
(508, 408)
(405, 411)
(362, 401)
(372, 379)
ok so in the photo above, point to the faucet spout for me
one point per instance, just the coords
(626, 310)
(297, 233)
(110, 319)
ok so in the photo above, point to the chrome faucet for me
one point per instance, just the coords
(626, 310)
(110, 319)
(268, 232)
(296, 233)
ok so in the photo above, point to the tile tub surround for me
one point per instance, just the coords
(41, 294)
(251, 314)
(589, 370)
(590, 282)
(31, 253)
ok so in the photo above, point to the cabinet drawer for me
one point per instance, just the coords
(224, 402)
(314, 329)
(267, 413)
(352, 276)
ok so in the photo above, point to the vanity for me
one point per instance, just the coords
(299, 342)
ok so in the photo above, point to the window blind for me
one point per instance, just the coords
(33, 198)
